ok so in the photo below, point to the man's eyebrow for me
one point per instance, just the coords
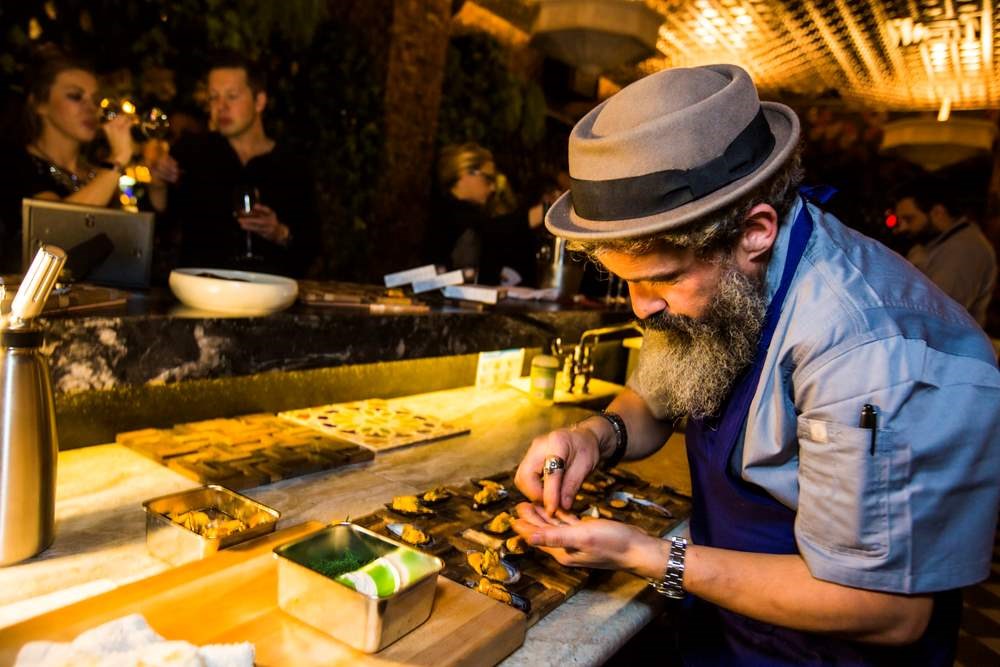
(663, 277)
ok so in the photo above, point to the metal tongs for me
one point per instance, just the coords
(627, 497)
(35, 287)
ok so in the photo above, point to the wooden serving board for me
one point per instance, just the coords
(243, 452)
(232, 597)
(457, 528)
(374, 423)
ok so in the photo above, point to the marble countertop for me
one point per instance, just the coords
(147, 341)
(100, 532)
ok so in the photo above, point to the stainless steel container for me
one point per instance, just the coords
(28, 447)
(172, 542)
(368, 623)
(28, 443)
(558, 269)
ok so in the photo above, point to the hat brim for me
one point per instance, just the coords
(563, 221)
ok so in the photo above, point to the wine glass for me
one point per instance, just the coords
(153, 123)
(244, 198)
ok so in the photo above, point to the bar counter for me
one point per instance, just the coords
(100, 541)
(152, 363)
(153, 339)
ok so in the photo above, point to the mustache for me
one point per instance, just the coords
(666, 321)
(681, 329)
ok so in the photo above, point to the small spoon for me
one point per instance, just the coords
(629, 498)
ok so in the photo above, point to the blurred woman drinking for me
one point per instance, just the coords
(62, 118)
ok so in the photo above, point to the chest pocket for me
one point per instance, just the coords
(843, 487)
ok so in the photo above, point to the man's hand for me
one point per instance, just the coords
(164, 169)
(264, 222)
(598, 543)
(578, 447)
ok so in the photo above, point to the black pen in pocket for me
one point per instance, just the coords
(869, 420)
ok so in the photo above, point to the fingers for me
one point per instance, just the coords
(534, 515)
(552, 483)
(567, 517)
(575, 474)
(565, 538)
(258, 225)
(528, 476)
(556, 489)
(166, 170)
(118, 132)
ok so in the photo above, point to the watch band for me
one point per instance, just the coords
(621, 439)
(672, 584)
(115, 166)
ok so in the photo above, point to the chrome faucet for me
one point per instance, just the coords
(580, 362)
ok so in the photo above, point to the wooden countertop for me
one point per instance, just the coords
(100, 534)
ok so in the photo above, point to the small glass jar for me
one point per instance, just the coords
(544, 369)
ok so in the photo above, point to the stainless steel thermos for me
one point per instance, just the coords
(28, 443)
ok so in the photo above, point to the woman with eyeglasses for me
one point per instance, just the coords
(462, 234)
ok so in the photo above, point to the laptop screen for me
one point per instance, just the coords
(116, 247)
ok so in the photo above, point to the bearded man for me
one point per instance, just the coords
(842, 414)
(950, 249)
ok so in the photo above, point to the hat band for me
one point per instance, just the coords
(649, 194)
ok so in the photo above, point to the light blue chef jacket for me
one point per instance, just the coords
(861, 325)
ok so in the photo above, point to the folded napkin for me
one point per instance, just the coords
(130, 642)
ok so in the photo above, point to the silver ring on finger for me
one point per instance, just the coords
(552, 465)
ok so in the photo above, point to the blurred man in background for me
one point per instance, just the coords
(950, 249)
(240, 199)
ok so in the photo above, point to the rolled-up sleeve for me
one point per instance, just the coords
(914, 510)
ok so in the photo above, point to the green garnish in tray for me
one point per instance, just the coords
(334, 567)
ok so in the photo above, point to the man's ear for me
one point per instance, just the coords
(760, 230)
(260, 101)
(939, 216)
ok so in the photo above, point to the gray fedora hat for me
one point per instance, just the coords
(669, 149)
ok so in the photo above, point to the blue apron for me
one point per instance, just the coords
(730, 513)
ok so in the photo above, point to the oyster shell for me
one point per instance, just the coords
(499, 592)
(409, 506)
(499, 524)
(489, 495)
(438, 494)
(489, 564)
(515, 546)
(409, 534)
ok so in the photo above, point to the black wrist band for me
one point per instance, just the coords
(114, 166)
(621, 438)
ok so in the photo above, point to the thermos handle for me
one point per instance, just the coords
(37, 284)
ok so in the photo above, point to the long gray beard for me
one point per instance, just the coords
(687, 366)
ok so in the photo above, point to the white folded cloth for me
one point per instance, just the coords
(130, 642)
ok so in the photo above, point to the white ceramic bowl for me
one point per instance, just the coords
(233, 292)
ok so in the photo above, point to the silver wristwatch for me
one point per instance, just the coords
(672, 584)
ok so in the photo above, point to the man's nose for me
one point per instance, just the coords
(645, 302)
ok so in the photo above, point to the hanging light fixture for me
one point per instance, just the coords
(934, 144)
(595, 36)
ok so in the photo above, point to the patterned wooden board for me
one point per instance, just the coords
(316, 292)
(374, 423)
(243, 452)
(457, 528)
